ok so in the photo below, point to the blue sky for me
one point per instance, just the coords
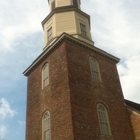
(115, 28)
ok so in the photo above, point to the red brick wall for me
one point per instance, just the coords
(54, 98)
(72, 97)
(135, 120)
(87, 93)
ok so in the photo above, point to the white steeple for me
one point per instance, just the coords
(60, 3)
(66, 16)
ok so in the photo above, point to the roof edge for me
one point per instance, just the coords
(73, 39)
(133, 106)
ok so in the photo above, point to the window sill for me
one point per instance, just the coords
(46, 87)
(106, 136)
(99, 81)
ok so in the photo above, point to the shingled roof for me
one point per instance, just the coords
(133, 105)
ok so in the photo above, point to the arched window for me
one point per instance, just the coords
(46, 126)
(45, 75)
(95, 69)
(103, 120)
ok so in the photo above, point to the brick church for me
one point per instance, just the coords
(74, 91)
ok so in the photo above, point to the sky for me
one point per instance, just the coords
(115, 28)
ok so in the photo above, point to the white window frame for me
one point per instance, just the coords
(95, 71)
(103, 120)
(49, 34)
(46, 133)
(83, 29)
(45, 75)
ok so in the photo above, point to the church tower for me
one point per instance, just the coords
(74, 92)
(66, 16)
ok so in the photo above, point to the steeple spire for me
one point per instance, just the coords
(66, 16)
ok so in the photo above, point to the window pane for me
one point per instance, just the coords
(101, 108)
(104, 126)
(45, 75)
(49, 34)
(94, 69)
(104, 129)
(47, 135)
(47, 126)
(46, 82)
(83, 29)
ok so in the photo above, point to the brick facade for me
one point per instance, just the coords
(87, 93)
(55, 98)
(72, 96)
(135, 121)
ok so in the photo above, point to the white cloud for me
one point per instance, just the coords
(5, 109)
(3, 131)
(5, 113)
(115, 29)
(130, 79)
(21, 123)
(19, 19)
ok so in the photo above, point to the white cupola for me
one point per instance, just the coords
(66, 16)
(60, 3)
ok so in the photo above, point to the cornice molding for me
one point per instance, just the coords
(64, 9)
(62, 38)
(133, 106)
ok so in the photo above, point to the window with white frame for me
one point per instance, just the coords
(49, 34)
(46, 126)
(45, 75)
(103, 120)
(95, 72)
(83, 29)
